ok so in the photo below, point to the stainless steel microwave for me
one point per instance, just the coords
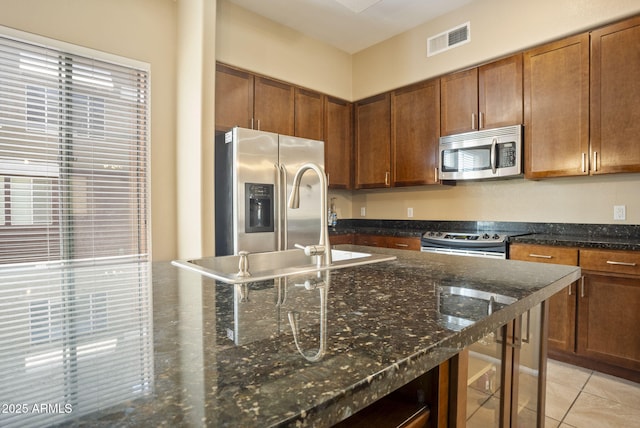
(489, 153)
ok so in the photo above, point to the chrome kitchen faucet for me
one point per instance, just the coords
(323, 247)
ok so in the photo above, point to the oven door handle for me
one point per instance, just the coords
(492, 155)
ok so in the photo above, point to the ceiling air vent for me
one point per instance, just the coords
(449, 39)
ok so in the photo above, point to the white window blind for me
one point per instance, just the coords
(74, 339)
(73, 156)
(75, 295)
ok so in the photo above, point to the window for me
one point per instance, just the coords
(30, 201)
(45, 318)
(73, 156)
(75, 299)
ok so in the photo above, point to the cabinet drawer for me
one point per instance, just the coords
(626, 262)
(397, 242)
(402, 243)
(369, 240)
(341, 239)
(544, 254)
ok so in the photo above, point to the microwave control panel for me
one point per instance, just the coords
(506, 155)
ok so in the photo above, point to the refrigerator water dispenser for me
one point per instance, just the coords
(259, 206)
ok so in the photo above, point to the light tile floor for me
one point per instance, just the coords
(594, 399)
(576, 398)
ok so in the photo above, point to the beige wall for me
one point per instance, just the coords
(254, 43)
(144, 30)
(498, 28)
(562, 200)
(196, 23)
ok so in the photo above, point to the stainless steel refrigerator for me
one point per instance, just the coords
(253, 178)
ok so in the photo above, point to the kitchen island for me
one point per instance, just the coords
(310, 350)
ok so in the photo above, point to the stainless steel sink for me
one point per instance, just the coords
(263, 266)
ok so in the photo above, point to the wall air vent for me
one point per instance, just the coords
(449, 39)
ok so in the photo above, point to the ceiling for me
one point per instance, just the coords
(351, 25)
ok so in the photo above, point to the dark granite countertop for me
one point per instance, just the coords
(600, 236)
(226, 356)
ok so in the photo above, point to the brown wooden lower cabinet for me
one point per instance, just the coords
(370, 240)
(609, 320)
(562, 306)
(403, 243)
(346, 238)
(397, 242)
(594, 323)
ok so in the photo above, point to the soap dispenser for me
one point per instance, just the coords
(333, 215)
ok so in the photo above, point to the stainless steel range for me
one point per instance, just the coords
(478, 244)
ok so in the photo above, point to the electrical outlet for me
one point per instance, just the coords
(363, 211)
(409, 212)
(619, 212)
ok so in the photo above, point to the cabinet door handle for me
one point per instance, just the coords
(386, 178)
(570, 287)
(611, 262)
(584, 162)
(401, 245)
(435, 174)
(540, 256)
(480, 121)
(595, 161)
(473, 121)
(582, 287)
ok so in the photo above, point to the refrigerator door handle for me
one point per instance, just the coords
(282, 207)
(278, 205)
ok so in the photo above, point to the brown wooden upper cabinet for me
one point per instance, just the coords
(251, 101)
(415, 132)
(373, 142)
(615, 95)
(485, 97)
(582, 114)
(556, 108)
(234, 98)
(338, 142)
(273, 106)
(309, 114)
(397, 137)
